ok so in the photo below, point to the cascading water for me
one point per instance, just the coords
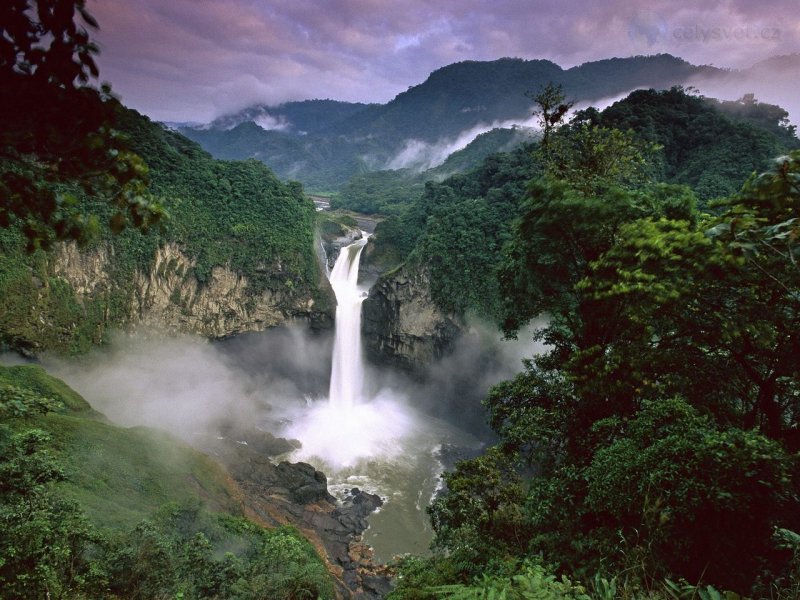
(347, 367)
(376, 442)
(351, 428)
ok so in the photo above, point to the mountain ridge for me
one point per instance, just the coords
(323, 143)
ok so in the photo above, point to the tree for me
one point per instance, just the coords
(710, 311)
(593, 159)
(57, 137)
(687, 495)
(43, 537)
(552, 107)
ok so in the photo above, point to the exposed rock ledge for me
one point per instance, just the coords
(297, 494)
(170, 297)
(402, 325)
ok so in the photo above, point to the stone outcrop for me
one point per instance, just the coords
(297, 494)
(169, 296)
(86, 271)
(401, 324)
(333, 243)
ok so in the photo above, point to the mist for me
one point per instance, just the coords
(773, 81)
(421, 156)
(192, 387)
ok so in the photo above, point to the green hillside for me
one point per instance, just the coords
(221, 213)
(649, 450)
(89, 509)
(453, 99)
(458, 227)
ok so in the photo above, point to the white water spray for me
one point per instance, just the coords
(347, 368)
(351, 429)
(374, 441)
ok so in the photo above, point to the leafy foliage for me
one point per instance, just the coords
(532, 583)
(655, 439)
(58, 134)
(51, 544)
(702, 147)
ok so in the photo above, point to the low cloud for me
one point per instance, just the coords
(188, 386)
(421, 156)
(773, 81)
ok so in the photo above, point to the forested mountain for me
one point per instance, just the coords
(301, 118)
(324, 152)
(655, 437)
(236, 251)
(457, 228)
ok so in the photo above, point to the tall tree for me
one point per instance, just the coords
(57, 137)
(551, 109)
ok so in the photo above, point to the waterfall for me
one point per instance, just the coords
(347, 368)
(352, 429)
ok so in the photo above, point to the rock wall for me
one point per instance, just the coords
(170, 297)
(401, 324)
(86, 271)
(297, 494)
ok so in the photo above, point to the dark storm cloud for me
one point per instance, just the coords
(194, 59)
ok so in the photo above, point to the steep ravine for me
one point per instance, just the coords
(402, 327)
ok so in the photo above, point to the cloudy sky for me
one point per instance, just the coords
(194, 60)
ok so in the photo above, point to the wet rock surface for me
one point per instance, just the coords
(260, 441)
(297, 494)
(401, 324)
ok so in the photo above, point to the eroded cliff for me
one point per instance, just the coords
(401, 324)
(169, 296)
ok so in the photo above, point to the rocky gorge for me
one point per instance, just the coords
(402, 325)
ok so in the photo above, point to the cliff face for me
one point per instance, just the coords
(170, 297)
(401, 324)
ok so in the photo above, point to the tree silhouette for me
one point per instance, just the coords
(57, 137)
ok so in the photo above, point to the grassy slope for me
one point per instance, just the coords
(120, 476)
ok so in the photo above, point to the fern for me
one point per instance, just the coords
(533, 584)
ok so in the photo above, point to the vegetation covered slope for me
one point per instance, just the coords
(651, 450)
(235, 215)
(89, 509)
(452, 100)
(458, 228)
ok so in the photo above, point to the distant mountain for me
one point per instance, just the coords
(323, 143)
(299, 118)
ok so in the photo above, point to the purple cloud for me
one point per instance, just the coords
(196, 59)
